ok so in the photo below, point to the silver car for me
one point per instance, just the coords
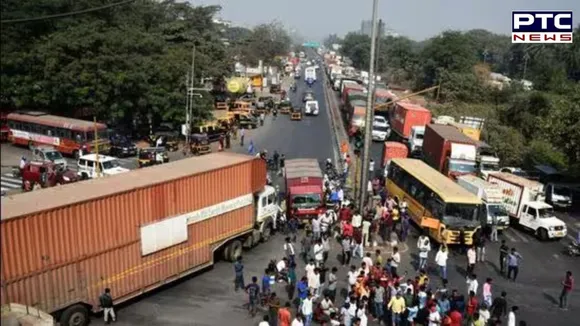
(49, 154)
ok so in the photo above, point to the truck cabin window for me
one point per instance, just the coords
(419, 136)
(562, 191)
(461, 214)
(306, 201)
(461, 167)
(497, 210)
(546, 212)
(489, 167)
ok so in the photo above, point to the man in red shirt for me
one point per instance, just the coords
(347, 229)
(471, 304)
(567, 286)
(284, 315)
(345, 214)
(455, 316)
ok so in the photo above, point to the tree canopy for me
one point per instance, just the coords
(527, 127)
(123, 62)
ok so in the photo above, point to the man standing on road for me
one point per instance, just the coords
(512, 316)
(242, 135)
(106, 302)
(441, 261)
(239, 274)
(503, 253)
(567, 287)
(513, 262)
(307, 309)
(480, 245)
(424, 246)
(253, 291)
(318, 253)
(471, 260)
(289, 250)
(284, 315)
(499, 307)
(316, 224)
(487, 296)
(273, 307)
(298, 321)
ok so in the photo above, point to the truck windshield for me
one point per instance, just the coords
(461, 215)
(306, 201)
(53, 156)
(381, 128)
(497, 210)
(562, 191)
(461, 167)
(419, 136)
(110, 164)
(489, 167)
(546, 212)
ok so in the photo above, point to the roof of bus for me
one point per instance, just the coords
(55, 121)
(448, 190)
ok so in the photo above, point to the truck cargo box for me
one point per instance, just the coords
(348, 88)
(131, 232)
(443, 141)
(516, 190)
(393, 149)
(407, 115)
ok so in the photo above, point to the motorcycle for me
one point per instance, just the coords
(574, 249)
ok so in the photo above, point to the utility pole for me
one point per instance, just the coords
(189, 84)
(98, 162)
(369, 112)
(187, 113)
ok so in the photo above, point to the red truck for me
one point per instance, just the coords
(449, 151)
(350, 88)
(406, 116)
(304, 191)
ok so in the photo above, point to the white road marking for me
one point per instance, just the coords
(5, 189)
(556, 256)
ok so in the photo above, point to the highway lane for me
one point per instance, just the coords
(208, 298)
(543, 267)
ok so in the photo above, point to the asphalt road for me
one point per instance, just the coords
(544, 264)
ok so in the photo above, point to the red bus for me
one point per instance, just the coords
(69, 136)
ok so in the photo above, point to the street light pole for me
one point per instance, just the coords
(369, 112)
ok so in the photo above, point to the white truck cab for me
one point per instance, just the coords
(524, 200)
(416, 137)
(493, 209)
(266, 209)
(93, 166)
(311, 108)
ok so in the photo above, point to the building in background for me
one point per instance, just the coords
(366, 27)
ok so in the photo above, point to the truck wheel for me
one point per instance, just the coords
(266, 232)
(77, 315)
(543, 234)
(235, 250)
(249, 241)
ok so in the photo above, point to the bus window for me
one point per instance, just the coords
(461, 211)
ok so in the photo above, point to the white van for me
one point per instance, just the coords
(311, 108)
(107, 165)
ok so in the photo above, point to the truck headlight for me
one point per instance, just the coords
(65, 178)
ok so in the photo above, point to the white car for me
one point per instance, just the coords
(380, 121)
(311, 108)
(107, 165)
(381, 133)
(49, 154)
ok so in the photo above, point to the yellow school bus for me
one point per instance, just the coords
(435, 203)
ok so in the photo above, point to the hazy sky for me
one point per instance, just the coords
(417, 19)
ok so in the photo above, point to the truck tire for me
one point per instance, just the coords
(235, 250)
(249, 241)
(266, 232)
(542, 234)
(77, 315)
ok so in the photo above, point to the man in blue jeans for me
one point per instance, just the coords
(239, 271)
(379, 302)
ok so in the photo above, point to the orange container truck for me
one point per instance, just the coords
(62, 246)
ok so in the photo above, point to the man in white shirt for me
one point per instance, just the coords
(327, 305)
(441, 261)
(395, 261)
(289, 250)
(341, 195)
(325, 222)
(434, 317)
(309, 268)
(265, 321)
(472, 283)
(352, 275)
(366, 230)
(307, 309)
(424, 246)
(512, 316)
(314, 282)
(316, 227)
(282, 268)
(297, 321)
(318, 251)
(368, 260)
(356, 220)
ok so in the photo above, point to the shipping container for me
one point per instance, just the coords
(350, 87)
(131, 233)
(449, 151)
(393, 149)
(407, 115)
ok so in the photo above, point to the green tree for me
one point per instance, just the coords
(265, 43)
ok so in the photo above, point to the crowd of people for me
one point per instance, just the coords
(376, 288)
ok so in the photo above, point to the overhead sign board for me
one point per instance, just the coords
(311, 45)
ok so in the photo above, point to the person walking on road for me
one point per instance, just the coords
(307, 309)
(424, 246)
(441, 261)
(273, 307)
(298, 321)
(503, 253)
(242, 136)
(567, 287)
(239, 274)
(289, 250)
(513, 263)
(480, 245)
(487, 296)
(472, 284)
(471, 260)
(395, 261)
(512, 316)
(284, 315)
(253, 290)
(346, 250)
(106, 302)
(499, 307)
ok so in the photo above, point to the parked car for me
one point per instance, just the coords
(48, 154)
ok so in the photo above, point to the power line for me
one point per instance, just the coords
(66, 14)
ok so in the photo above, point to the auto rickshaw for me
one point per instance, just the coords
(200, 144)
(296, 113)
(152, 156)
(285, 107)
